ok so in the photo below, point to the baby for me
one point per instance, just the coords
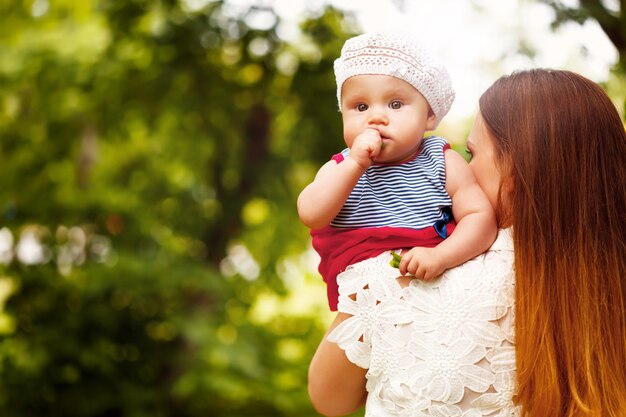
(392, 188)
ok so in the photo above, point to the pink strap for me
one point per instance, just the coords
(338, 158)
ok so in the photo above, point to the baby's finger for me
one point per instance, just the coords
(424, 274)
(432, 273)
(404, 262)
(402, 267)
(371, 131)
(375, 151)
(413, 267)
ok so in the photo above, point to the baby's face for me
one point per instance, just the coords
(391, 106)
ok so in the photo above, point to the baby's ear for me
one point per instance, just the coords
(430, 120)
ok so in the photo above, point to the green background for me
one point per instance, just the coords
(151, 154)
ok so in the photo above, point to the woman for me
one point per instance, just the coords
(549, 149)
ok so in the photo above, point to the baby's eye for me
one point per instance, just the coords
(396, 104)
(361, 107)
(469, 153)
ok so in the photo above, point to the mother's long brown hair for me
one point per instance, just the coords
(562, 144)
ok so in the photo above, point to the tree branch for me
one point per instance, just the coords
(611, 24)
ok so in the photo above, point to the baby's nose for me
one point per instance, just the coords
(378, 118)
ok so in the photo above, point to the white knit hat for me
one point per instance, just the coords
(400, 56)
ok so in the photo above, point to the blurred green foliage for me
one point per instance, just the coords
(151, 153)
(151, 258)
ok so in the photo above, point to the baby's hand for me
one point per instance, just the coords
(366, 147)
(424, 263)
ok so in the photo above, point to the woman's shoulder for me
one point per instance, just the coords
(504, 240)
(490, 270)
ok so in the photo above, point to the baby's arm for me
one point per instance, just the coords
(475, 229)
(320, 202)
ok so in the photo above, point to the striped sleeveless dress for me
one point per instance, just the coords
(393, 206)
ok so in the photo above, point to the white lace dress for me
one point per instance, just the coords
(442, 348)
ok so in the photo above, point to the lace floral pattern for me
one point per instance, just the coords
(442, 348)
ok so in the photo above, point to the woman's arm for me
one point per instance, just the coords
(336, 385)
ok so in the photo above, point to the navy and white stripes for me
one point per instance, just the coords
(408, 195)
